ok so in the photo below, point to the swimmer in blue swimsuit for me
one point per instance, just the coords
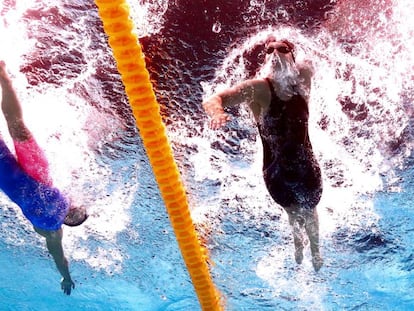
(279, 104)
(25, 179)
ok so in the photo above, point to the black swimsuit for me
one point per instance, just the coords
(290, 170)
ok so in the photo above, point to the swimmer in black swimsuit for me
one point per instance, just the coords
(280, 107)
(24, 178)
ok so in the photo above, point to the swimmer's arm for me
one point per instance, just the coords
(55, 248)
(214, 105)
(306, 72)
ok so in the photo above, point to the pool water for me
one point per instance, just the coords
(125, 257)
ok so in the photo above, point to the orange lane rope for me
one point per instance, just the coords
(131, 65)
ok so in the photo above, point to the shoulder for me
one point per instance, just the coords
(247, 87)
(262, 89)
(261, 96)
(249, 91)
(257, 84)
(306, 69)
(256, 89)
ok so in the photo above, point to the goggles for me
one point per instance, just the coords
(281, 48)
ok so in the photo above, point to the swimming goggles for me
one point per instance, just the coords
(281, 48)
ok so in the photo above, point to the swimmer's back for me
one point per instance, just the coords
(290, 169)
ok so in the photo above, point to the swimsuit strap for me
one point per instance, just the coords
(272, 90)
(276, 104)
(274, 111)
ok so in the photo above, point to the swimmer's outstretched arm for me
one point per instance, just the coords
(54, 246)
(248, 91)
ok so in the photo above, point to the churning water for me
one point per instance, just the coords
(125, 256)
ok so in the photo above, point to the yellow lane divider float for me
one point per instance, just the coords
(135, 77)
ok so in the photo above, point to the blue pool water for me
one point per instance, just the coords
(126, 257)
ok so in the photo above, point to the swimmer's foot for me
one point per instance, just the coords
(299, 255)
(298, 242)
(317, 262)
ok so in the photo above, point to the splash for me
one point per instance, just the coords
(65, 107)
(148, 16)
(358, 112)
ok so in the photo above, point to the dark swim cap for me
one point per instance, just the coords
(76, 216)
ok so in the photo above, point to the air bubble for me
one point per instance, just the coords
(216, 27)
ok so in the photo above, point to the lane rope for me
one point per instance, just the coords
(130, 62)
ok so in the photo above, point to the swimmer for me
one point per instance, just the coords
(25, 179)
(279, 103)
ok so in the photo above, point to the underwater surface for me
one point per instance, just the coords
(125, 256)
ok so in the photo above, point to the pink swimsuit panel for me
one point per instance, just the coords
(33, 160)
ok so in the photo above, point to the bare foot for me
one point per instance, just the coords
(299, 255)
(298, 239)
(317, 262)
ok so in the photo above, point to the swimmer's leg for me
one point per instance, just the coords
(297, 225)
(29, 155)
(312, 230)
(11, 108)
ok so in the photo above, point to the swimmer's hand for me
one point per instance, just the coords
(213, 107)
(219, 120)
(67, 285)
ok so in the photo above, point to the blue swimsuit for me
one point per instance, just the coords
(44, 206)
